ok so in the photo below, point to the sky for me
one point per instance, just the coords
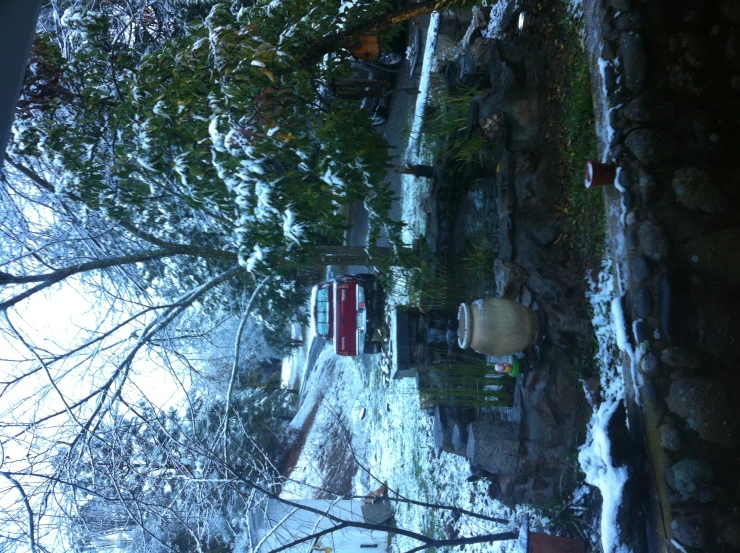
(56, 319)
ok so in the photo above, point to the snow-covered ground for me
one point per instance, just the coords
(392, 439)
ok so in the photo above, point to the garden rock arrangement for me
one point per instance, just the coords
(527, 451)
(667, 81)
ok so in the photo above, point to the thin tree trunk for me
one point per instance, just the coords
(235, 364)
(46, 280)
(349, 255)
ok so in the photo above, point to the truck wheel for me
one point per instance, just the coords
(379, 117)
(391, 59)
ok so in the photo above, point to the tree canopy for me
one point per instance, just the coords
(166, 173)
(220, 133)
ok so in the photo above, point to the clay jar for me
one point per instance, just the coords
(496, 326)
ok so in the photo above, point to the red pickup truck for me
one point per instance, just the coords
(344, 310)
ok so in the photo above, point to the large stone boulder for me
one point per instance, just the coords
(646, 108)
(688, 531)
(717, 254)
(509, 278)
(653, 240)
(694, 189)
(706, 405)
(634, 58)
(693, 479)
(652, 146)
(670, 437)
(494, 446)
(449, 431)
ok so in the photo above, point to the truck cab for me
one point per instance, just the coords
(344, 311)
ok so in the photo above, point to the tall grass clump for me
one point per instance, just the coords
(466, 381)
(423, 285)
(446, 123)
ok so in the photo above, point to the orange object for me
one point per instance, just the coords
(382, 491)
(367, 48)
(597, 174)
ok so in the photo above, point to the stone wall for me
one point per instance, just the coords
(666, 77)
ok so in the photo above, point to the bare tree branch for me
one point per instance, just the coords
(311, 537)
(235, 364)
(29, 509)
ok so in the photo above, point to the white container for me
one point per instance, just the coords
(496, 326)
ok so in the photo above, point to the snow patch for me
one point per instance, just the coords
(596, 462)
(618, 186)
(607, 131)
(494, 30)
(595, 455)
(620, 327)
(292, 231)
(575, 8)
(412, 149)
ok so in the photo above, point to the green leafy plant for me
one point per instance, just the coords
(467, 151)
(424, 280)
(478, 260)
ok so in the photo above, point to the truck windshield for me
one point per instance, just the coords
(322, 311)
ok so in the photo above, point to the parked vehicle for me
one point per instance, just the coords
(371, 80)
(378, 106)
(380, 68)
(345, 311)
